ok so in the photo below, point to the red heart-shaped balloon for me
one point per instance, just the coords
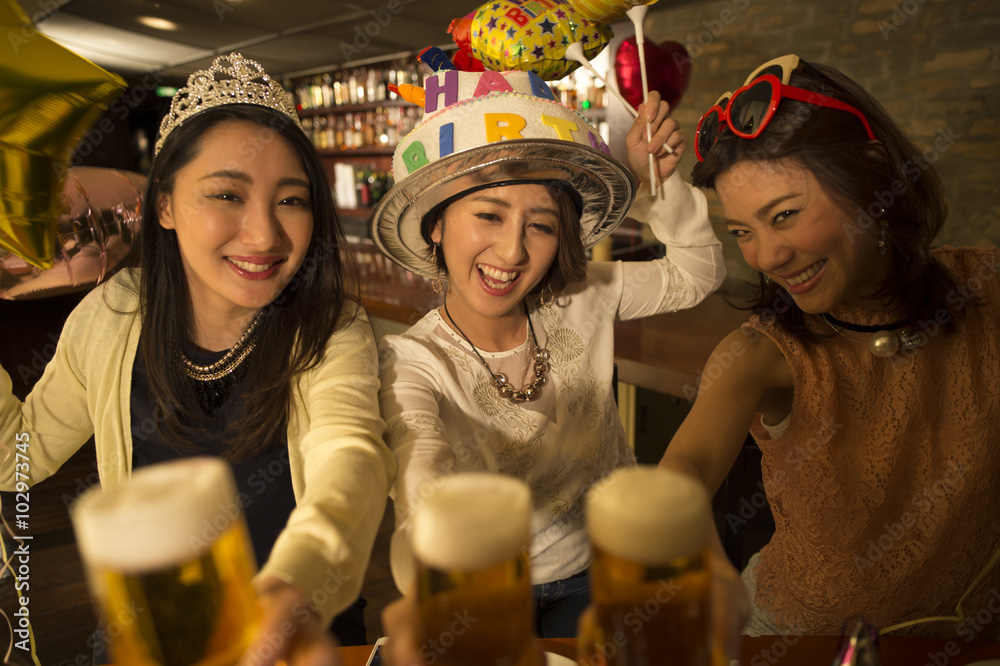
(668, 70)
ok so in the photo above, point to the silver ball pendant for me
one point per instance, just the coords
(884, 344)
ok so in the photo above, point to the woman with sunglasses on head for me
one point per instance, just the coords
(235, 338)
(499, 192)
(868, 373)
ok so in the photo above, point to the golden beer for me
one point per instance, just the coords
(169, 565)
(650, 578)
(474, 598)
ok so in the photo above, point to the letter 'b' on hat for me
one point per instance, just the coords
(483, 129)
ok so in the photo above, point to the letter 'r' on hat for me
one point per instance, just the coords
(483, 129)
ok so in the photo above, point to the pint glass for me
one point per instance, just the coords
(650, 578)
(470, 540)
(169, 564)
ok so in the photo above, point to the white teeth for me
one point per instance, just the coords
(806, 274)
(495, 277)
(252, 268)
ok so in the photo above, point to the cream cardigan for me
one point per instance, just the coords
(341, 469)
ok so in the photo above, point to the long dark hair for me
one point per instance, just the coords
(296, 326)
(887, 182)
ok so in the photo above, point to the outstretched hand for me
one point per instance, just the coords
(667, 144)
(290, 632)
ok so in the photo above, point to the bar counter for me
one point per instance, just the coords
(663, 353)
(807, 651)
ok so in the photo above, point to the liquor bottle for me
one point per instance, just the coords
(331, 134)
(327, 90)
(365, 198)
(352, 87)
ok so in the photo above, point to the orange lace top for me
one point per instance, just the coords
(885, 488)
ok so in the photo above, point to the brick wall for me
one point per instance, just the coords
(934, 64)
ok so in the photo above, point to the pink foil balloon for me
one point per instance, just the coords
(668, 69)
(98, 222)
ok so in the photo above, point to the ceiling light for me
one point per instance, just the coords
(158, 23)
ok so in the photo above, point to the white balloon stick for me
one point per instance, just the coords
(636, 15)
(575, 52)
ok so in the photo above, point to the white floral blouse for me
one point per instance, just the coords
(444, 415)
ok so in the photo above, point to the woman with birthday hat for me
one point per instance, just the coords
(500, 191)
(236, 338)
(868, 375)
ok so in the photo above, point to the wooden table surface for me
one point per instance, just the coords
(662, 353)
(807, 651)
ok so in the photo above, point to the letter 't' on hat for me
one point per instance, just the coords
(483, 129)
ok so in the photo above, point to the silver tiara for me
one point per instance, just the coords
(232, 79)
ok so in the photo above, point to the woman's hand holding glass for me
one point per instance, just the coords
(290, 631)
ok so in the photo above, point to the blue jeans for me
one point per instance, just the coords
(558, 605)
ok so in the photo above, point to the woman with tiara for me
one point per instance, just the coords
(235, 338)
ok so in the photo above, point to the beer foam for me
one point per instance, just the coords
(647, 514)
(166, 514)
(472, 521)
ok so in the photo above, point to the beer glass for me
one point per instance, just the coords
(650, 578)
(169, 564)
(470, 540)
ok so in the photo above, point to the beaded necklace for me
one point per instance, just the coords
(527, 394)
(213, 383)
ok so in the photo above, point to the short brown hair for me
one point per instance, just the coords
(570, 264)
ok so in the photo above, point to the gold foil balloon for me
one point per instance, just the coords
(606, 11)
(49, 97)
(98, 223)
(532, 36)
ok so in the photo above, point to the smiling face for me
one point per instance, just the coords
(498, 243)
(243, 219)
(792, 231)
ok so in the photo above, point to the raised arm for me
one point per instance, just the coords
(678, 217)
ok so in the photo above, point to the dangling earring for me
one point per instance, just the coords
(767, 280)
(547, 301)
(883, 234)
(437, 284)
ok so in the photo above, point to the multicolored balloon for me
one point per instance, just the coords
(532, 36)
(606, 11)
(49, 97)
(668, 65)
(97, 225)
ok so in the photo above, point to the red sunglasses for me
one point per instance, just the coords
(748, 111)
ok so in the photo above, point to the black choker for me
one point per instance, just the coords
(884, 342)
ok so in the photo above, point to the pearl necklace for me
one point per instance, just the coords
(527, 394)
(884, 342)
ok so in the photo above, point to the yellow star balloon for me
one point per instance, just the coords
(49, 97)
